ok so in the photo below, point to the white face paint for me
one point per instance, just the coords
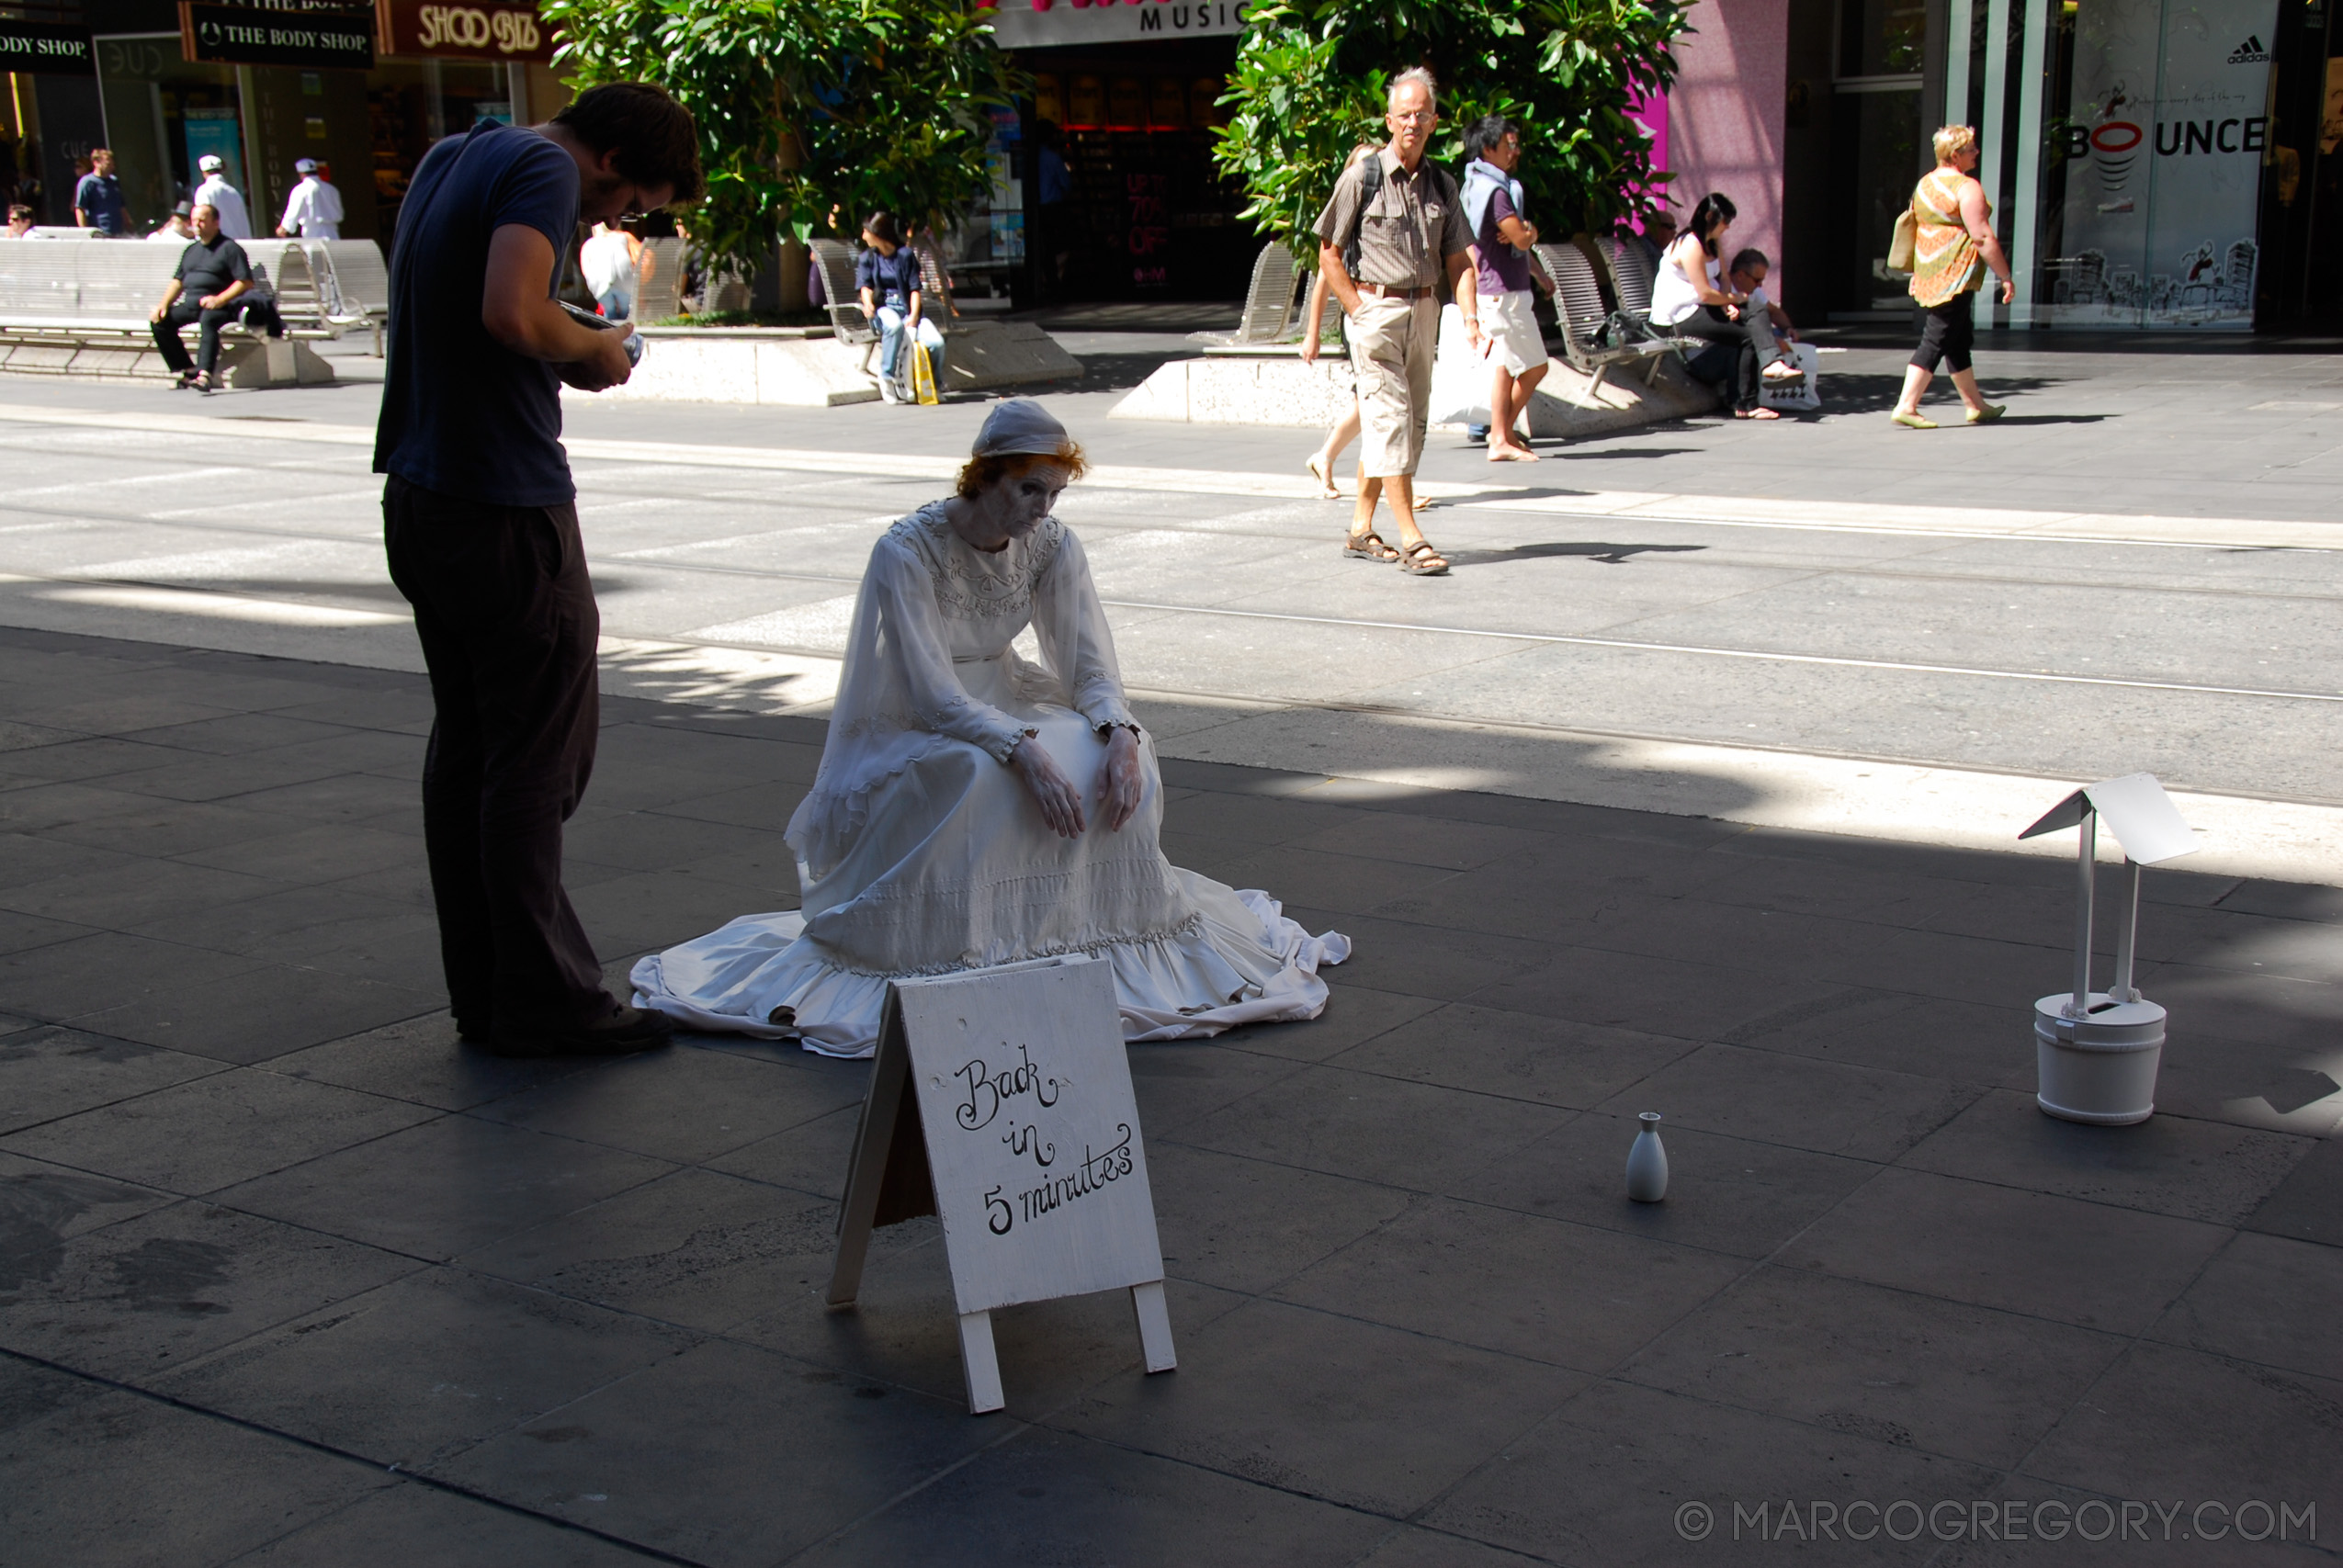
(1013, 507)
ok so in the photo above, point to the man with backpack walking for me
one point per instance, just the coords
(1393, 229)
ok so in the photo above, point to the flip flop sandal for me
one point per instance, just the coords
(1368, 546)
(1328, 489)
(1418, 558)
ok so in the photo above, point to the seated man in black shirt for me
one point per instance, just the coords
(216, 273)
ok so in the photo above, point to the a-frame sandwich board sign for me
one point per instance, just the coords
(1001, 1101)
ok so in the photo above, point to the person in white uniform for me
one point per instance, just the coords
(975, 808)
(313, 210)
(223, 199)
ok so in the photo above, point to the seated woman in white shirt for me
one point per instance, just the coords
(1690, 298)
(974, 807)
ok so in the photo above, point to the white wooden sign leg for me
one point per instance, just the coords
(1155, 1325)
(874, 1141)
(978, 1360)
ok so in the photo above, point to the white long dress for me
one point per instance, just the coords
(919, 852)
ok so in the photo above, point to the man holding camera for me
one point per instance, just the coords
(480, 524)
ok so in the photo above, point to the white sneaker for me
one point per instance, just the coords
(887, 393)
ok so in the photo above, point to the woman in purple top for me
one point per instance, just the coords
(1505, 272)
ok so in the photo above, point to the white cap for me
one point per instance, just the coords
(209, 163)
(1020, 425)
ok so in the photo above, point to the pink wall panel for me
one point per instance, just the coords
(1725, 116)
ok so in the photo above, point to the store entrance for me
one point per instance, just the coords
(1136, 210)
(2301, 187)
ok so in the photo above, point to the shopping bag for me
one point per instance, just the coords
(1903, 242)
(1804, 397)
(922, 375)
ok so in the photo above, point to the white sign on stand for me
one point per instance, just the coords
(1001, 1101)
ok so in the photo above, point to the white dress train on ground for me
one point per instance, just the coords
(919, 852)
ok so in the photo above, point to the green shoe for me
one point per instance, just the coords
(1987, 414)
(1913, 421)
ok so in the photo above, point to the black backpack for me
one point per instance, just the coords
(1370, 186)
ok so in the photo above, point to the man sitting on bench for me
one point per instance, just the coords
(214, 270)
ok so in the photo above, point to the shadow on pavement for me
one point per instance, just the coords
(273, 1237)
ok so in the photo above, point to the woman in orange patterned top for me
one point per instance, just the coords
(1952, 247)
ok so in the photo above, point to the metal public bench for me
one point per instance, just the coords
(1579, 311)
(1269, 302)
(85, 309)
(356, 281)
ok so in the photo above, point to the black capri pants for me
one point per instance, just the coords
(1947, 333)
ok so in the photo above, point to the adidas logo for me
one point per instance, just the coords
(2249, 52)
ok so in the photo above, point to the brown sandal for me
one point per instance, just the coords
(1422, 560)
(1368, 546)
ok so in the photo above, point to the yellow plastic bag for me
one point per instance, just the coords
(922, 375)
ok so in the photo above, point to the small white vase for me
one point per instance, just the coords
(1647, 1162)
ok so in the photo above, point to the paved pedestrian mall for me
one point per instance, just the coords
(287, 1276)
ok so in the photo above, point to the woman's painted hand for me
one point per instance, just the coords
(1060, 802)
(1121, 781)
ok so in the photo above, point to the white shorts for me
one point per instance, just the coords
(1509, 324)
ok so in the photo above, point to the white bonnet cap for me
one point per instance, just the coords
(1020, 425)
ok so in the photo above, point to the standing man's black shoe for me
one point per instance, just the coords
(619, 1033)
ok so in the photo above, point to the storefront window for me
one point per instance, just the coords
(163, 114)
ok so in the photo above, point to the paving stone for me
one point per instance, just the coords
(696, 1247)
(137, 893)
(27, 858)
(47, 1072)
(1501, 1280)
(1353, 1013)
(2086, 1264)
(1343, 884)
(420, 1060)
(1522, 1056)
(85, 974)
(810, 1157)
(1626, 1475)
(900, 1330)
(705, 1489)
(685, 1105)
(1413, 1546)
(2170, 1164)
(1329, 1407)
(1429, 960)
(400, 1526)
(43, 1206)
(1046, 1497)
(461, 1183)
(138, 1299)
(263, 1011)
(19, 933)
(155, 1486)
(2171, 1423)
(311, 853)
(1860, 1112)
(1417, 1136)
(1732, 1195)
(2265, 1300)
(419, 1369)
(199, 1136)
(1180, 1082)
(1969, 1042)
(1889, 1365)
(1689, 999)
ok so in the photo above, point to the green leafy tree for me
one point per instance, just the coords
(806, 106)
(1311, 77)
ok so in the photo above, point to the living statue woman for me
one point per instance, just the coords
(974, 807)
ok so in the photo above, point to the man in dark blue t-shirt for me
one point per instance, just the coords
(481, 530)
(97, 196)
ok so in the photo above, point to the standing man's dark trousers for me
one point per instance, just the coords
(508, 624)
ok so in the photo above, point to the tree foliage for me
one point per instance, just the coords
(1311, 76)
(806, 106)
